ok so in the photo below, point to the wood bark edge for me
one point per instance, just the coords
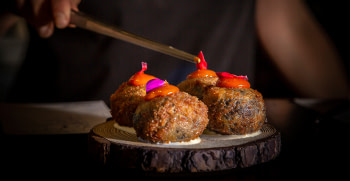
(165, 160)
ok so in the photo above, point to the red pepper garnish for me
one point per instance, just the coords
(231, 80)
(228, 75)
(202, 70)
(202, 65)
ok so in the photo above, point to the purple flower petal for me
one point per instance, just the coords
(154, 83)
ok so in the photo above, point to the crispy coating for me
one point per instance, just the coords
(197, 86)
(124, 102)
(174, 118)
(234, 110)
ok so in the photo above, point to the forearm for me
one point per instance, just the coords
(300, 49)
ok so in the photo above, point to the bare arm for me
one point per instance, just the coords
(301, 49)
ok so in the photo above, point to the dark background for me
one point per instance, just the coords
(333, 16)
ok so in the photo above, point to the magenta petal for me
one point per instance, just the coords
(154, 83)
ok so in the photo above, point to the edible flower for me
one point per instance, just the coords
(154, 83)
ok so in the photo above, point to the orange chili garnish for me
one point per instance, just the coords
(201, 73)
(165, 90)
(140, 78)
(233, 82)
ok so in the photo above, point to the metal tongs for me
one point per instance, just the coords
(84, 21)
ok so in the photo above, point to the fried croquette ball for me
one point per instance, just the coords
(234, 110)
(197, 86)
(197, 82)
(178, 117)
(125, 99)
(124, 102)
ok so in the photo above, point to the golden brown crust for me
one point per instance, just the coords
(197, 86)
(234, 110)
(174, 118)
(124, 102)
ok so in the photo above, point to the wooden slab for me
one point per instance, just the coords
(114, 146)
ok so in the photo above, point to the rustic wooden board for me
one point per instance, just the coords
(120, 148)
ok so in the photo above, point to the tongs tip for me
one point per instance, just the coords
(197, 60)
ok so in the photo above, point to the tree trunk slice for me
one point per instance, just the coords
(118, 148)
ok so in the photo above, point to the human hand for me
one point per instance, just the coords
(45, 15)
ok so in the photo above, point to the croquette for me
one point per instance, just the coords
(234, 110)
(179, 117)
(197, 86)
(124, 102)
